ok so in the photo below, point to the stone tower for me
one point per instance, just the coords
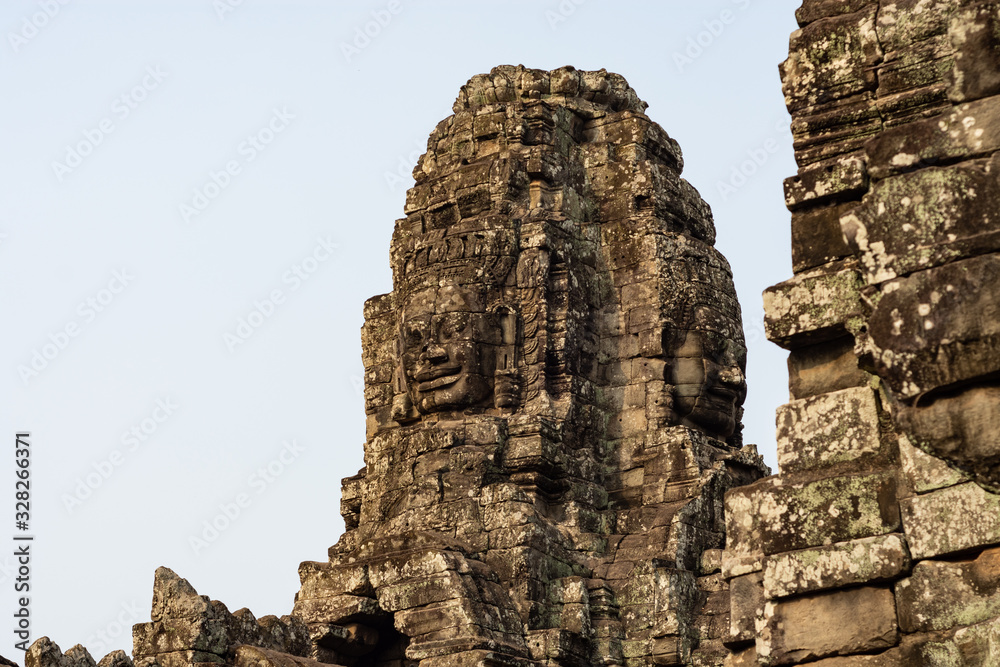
(553, 391)
(879, 542)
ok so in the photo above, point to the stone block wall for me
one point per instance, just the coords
(877, 544)
(561, 502)
(553, 389)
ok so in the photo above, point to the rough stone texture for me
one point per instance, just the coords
(948, 216)
(924, 472)
(773, 516)
(966, 132)
(553, 391)
(187, 627)
(824, 367)
(829, 80)
(892, 331)
(842, 179)
(835, 566)
(554, 388)
(746, 604)
(813, 307)
(960, 428)
(836, 427)
(937, 328)
(854, 620)
(891, 658)
(817, 238)
(968, 646)
(973, 34)
(255, 656)
(942, 595)
(46, 653)
(949, 520)
(742, 658)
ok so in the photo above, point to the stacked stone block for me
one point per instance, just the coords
(553, 389)
(877, 541)
(187, 628)
(191, 629)
(574, 517)
(44, 653)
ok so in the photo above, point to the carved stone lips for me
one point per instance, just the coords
(437, 376)
(723, 393)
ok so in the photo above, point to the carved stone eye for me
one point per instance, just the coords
(715, 346)
(414, 337)
(452, 325)
(741, 357)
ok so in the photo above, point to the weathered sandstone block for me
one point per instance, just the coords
(970, 130)
(746, 610)
(950, 520)
(925, 472)
(937, 328)
(836, 566)
(824, 367)
(925, 218)
(973, 33)
(836, 623)
(827, 429)
(831, 59)
(817, 238)
(775, 515)
(813, 307)
(943, 595)
(841, 179)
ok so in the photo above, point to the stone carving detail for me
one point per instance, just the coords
(553, 394)
(703, 347)
(877, 543)
(554, 388)
(554, 391)
(447, 348)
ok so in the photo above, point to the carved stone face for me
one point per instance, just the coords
(707, 371)
(962, 427)
(447, 347)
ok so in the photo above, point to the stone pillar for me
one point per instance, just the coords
(886, 450)
(553, 390)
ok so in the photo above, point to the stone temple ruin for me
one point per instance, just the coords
(554, 469)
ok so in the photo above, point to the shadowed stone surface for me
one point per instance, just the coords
(554, 470)
(888, 448)
(842, 564)
(553, 391)
(854, 620)
(942, 595)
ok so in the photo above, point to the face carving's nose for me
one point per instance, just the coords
(433, 352)
(732, 376)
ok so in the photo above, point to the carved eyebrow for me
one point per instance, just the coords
(455, 321)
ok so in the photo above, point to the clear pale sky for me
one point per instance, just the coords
(171, 168)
